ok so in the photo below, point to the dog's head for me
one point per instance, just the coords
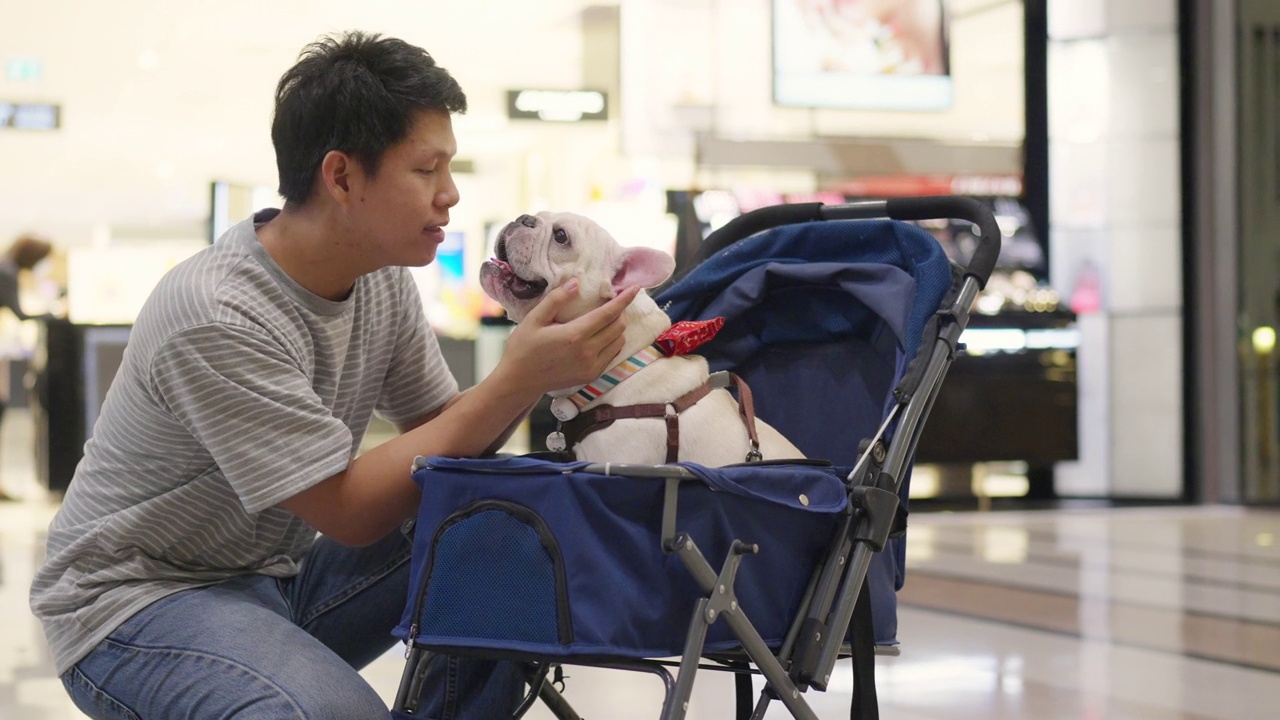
(536, 253)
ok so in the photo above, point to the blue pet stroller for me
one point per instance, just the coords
(843, 326)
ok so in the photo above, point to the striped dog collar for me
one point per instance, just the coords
(681, 338)
(568, 407)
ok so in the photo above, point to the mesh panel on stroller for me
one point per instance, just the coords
(843, 329)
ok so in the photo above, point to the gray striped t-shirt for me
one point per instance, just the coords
(239, 388)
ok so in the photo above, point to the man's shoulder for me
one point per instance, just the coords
(193, 289)
(220, 285)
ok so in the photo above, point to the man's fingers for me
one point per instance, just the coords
(612, 349)
(605, 354)
(626, 296)
(606, 336)
(544, 313)
(609, 326)
(603, 316)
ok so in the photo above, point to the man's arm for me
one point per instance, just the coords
(493, 448)
(375, 493)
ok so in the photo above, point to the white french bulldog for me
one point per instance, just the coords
(538, 253)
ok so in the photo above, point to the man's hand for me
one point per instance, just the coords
(549, 355)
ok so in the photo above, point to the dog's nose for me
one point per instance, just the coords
(527, 220)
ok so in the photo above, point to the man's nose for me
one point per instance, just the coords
(448, 195)
(527, 221)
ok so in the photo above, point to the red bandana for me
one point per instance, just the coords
(684, 337)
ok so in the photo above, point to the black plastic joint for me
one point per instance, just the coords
(949, 329)
(808, 651)
(879, 508)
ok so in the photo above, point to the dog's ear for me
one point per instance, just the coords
(642, 266)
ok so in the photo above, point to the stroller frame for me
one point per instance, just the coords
(815, 639)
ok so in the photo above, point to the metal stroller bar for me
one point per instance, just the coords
(880, 501)
(536, 682)
(921, 208)
(948, 341)
(723, 603)
(832, 582)
(881, 504)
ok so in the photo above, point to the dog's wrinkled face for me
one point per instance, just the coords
(536, 253)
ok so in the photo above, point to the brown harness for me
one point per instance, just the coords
(603, 416)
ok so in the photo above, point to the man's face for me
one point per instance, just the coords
(400, 213)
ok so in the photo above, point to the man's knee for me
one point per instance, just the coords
(304, 694)
(341, 702)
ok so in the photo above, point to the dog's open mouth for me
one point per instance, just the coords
(520, 288)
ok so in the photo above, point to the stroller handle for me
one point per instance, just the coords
(964, 208)
(918, 208)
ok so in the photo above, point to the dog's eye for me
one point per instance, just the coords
(561, 236)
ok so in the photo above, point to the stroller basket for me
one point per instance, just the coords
(551, 559)
(774, 568)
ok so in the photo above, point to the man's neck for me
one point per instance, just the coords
(303, 242)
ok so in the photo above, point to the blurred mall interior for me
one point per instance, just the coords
(1095, 528)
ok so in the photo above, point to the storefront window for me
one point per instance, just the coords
(1259, 310)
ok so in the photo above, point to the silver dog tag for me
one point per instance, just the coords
(555, 442)
(564, 409)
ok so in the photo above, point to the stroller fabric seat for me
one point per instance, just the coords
(541, 558)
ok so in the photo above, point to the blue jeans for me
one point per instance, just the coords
(260, 647)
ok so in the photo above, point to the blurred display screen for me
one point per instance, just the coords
(702, 212)
(450, 286)
(451, 257)
(862, 54)
(29, 116)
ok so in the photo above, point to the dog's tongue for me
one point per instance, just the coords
(521, 288)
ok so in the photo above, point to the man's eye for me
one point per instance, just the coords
(561, 236)
(426, 171)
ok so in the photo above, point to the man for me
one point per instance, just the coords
(183, 577)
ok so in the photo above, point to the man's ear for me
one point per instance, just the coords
(335, 174)
(642, 266)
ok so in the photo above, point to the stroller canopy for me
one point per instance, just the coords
(823, 320)
(810, 303)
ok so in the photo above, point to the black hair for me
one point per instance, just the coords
(356, 93)
(28, 250)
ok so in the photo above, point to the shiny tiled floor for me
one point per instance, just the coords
(1151, 614)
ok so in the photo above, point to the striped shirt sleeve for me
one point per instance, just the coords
(246, 400)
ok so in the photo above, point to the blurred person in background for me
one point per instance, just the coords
(24, 254)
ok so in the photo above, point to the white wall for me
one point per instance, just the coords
(1115, 195)
(160, 97)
